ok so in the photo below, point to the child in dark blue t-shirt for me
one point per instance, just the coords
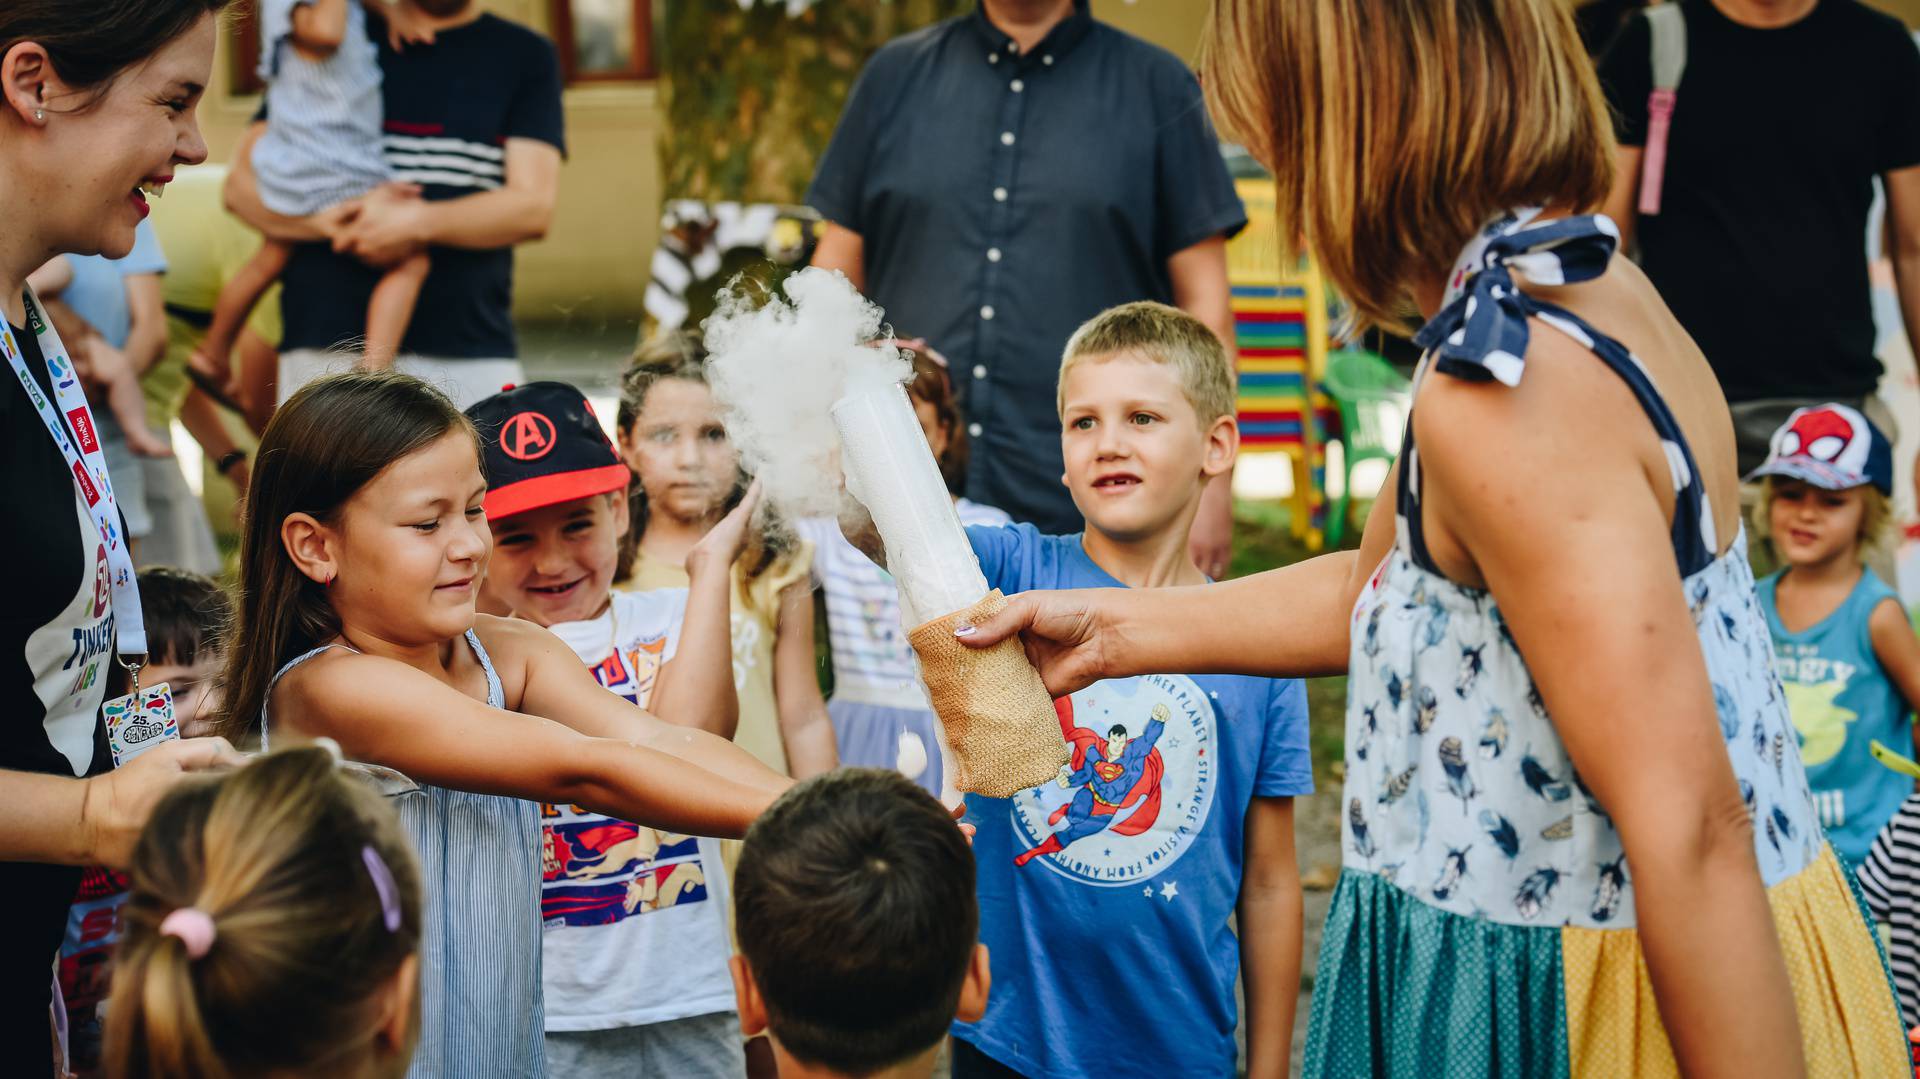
(1105, 894)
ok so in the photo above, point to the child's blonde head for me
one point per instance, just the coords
(1159, 334)
(298, 968)
(1876, 516)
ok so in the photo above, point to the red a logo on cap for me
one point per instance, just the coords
(526, 436)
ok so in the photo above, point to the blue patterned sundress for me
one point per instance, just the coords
(482, 1011)
(1483, 922)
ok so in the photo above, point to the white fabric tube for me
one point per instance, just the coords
(892, 472)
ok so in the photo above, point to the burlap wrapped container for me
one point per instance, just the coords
(1000, 722)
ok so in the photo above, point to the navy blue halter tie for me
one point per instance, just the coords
(1481, 332)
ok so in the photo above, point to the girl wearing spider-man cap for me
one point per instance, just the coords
(1845, 652)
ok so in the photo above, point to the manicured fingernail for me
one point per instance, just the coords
(964, 630)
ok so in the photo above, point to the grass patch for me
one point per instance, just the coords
(1263, 540)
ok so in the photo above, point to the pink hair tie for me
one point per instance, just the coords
(193, 926)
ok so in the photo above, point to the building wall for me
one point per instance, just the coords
(592, 266)
(1905, 9)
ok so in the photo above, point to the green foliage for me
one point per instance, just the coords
(752, 95)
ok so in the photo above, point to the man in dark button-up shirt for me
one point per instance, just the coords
(1001, 177)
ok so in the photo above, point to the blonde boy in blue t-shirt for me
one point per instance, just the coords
(1106, 893)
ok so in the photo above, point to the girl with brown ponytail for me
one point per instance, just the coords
(366, 535)
(273, 928)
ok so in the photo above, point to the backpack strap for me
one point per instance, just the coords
(1669, 26)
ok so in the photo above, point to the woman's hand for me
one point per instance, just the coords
(119, 802)
(407, 25)
(389, 226)
(722, 544)
(1068, 635)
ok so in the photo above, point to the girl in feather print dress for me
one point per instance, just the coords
(1570, 788)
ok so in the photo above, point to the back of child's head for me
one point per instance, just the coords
(1159, 334)
(271, 912)
(329, 440)
(855, 912)
(932, 385)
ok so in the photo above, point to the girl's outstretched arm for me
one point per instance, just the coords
(1289, 622)
(554, 684)
(384, 712)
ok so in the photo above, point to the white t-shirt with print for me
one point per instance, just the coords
(872, 660)
(636, 925)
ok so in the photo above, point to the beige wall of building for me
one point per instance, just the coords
(593, 264)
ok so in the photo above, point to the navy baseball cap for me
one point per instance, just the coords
(1832, 447)
(541, 444)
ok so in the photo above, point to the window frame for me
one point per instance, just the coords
(641, 69)
(244, 73)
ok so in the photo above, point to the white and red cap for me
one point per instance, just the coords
(1832, 447)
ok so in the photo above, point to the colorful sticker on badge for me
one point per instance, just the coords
(132, 731)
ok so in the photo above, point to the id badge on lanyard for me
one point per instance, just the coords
(88, 466)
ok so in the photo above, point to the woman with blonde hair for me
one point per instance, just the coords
(1577, 837)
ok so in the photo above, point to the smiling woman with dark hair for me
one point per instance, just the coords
(97, 102)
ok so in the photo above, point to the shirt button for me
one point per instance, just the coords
(979, 370)
(1006, 138)
(1047, 59)
(986, 312)
(1017, 85)
(993, 58)
(999, 194)
(975, 429)
(993, 254)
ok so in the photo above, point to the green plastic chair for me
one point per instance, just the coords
(1373, 401)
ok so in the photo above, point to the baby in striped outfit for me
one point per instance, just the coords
(321, 152)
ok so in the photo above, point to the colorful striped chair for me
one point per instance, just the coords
(1281, 328)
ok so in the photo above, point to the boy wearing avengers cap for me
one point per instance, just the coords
(636, 942)
(1843, 648)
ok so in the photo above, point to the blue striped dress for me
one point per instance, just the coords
(324, 116)
(481, 1008)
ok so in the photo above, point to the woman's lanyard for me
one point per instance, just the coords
(89, 468)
